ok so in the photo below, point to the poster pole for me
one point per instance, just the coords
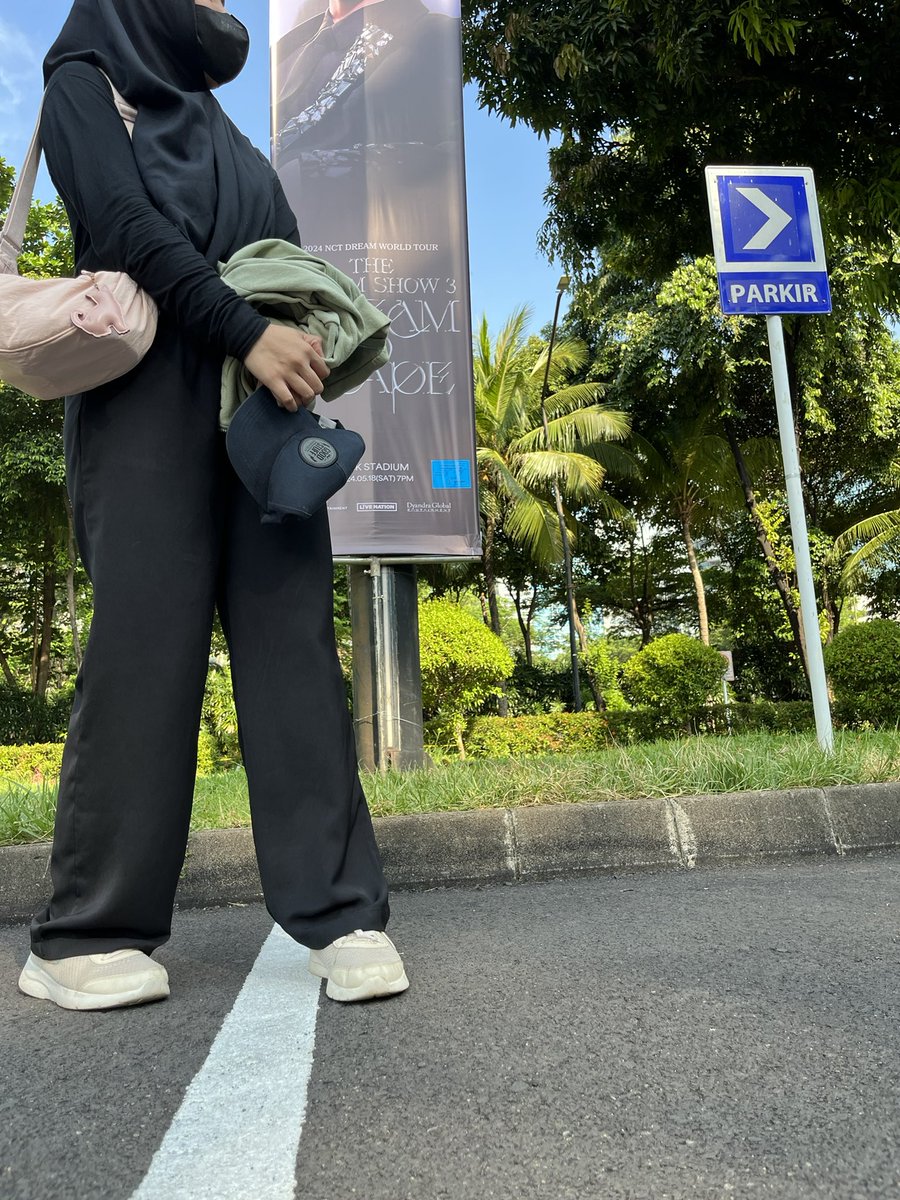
(800, 536)
(387, 681)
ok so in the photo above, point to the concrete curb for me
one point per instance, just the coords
(507, 845)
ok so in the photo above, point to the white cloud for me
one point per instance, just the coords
(20, 89)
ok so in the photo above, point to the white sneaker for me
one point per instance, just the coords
(360, 966)
(90, 981)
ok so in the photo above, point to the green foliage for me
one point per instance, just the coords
(675, 675)
(32, 762)
(26, 718)
(645, 93)
(219, 712)
(586, 732)
(863, 664)
(543, 733)
(208, 753)
(519, 462)
(539, 688)
(463, 663)
(606, 672)
(33, 519)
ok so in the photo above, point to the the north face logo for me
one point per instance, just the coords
(317, 452)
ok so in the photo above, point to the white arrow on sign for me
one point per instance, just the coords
(778, 219)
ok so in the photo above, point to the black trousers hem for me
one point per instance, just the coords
(316, 936)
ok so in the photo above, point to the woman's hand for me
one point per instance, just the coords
(290, 364)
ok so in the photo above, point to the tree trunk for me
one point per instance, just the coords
(778, 577)
(490, 578)
(8, 673)
(579, 627)
(70, 588)
(48, 607)
(583, 646)
(699, 587)
(832, 611)
(460, 744)
(525, 623)
(532, 609)
(493, 608)
(640, 609)
(646, 607)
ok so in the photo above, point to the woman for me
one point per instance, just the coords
(168, 535)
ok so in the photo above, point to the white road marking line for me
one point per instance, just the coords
(236, 1134)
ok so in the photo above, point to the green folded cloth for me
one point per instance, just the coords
(291, 287)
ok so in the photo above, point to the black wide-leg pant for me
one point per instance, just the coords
(168, 534)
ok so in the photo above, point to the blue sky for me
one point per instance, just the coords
(506, 167)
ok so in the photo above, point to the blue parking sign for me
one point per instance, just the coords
(770, 256)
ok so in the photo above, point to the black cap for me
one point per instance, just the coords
(289, 462)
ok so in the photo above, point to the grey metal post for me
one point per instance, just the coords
(808, 607)
(387, 681)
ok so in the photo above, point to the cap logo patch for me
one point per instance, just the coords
(317, 452)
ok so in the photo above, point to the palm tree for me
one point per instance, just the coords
(871, 542)
(517, 469)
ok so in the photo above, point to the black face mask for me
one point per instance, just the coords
(224, 44)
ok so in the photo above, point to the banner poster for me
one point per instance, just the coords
(368, 143)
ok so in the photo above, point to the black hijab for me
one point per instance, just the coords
(197, 167)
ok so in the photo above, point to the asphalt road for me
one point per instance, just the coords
(718, 1033)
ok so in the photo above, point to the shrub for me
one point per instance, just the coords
(220, 714)
(675, 675)
(864, 667)
(548, 733)
(208, 755)
(770, 716)
(606, 672)
(463, 664)
(544, 733)
(32, 763)
(574, 733)
(539, 688)
(27, 719)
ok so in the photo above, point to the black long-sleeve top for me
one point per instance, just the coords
(116, 226)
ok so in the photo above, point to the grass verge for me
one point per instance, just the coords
(687, 767)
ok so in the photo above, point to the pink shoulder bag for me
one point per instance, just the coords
(63, 336)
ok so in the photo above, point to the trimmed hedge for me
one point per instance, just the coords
(863, 665)
(565, 732)
(44, 760)
(31, 762)
(544, 733)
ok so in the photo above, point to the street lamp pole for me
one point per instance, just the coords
(562, 286)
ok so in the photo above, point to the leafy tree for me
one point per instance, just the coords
(749, 612)
(685, 469)
(36, 542)
(641, 586)
(605, 671)
(645, 93)
(694, 380)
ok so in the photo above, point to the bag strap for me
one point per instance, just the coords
(12, 235)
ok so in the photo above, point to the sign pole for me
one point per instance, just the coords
(770, 259)
(800, 536)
